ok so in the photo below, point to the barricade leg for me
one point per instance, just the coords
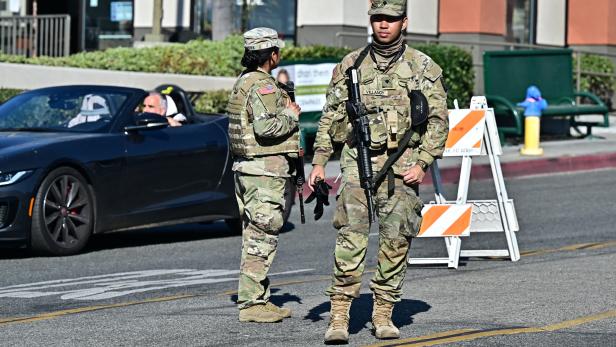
(454, 245)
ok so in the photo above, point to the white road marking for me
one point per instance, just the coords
(120, 284)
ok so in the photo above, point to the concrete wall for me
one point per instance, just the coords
(176, 17)
(423, 17)
(332, 12)
(176, 13)
(342, 23)
(348, 36)
(551, 22)
(22, 76)
(355, 12)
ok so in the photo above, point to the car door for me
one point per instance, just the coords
(173, 173)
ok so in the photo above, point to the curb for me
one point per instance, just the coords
(451, 175)
(532, 167)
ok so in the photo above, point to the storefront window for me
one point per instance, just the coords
(279, 15)
(520, 21)
(276, 14)
(109, 23)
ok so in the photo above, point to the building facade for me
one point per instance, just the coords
(555, 23)
(98, 24)
(477, 25)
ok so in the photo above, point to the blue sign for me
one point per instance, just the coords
(121, 11)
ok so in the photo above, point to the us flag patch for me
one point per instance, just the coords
(268, 89)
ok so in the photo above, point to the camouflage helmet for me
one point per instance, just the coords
(262, 38)
(394, 8)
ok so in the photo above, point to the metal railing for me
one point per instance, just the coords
(31, 36)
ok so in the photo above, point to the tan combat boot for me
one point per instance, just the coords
(260, 314)
(281, 310)
(338, 329)
(384, 328)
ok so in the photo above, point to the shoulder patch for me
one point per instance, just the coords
(433, 72)
(267, 89)
(337, 74)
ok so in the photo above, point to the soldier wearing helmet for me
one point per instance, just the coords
(264, 133)
(389, 74)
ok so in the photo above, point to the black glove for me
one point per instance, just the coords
(321, 193)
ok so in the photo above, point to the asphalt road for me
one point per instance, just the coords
(176, 286)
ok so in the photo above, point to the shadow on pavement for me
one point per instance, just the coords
(158, 235)
(278, 300)
(361, 312)
(146, 237)
(20, 253)
(164, 235)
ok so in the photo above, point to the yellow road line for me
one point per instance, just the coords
(430, 340)
(60, 313)
(442, 334)
(570, 248)
(602, 245)
(54, 314)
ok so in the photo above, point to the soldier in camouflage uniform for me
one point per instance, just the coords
(388, 72)
(264, 133)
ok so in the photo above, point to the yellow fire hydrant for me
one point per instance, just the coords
(533, 105)
(531, 136)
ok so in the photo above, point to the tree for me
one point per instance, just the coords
(222, 19)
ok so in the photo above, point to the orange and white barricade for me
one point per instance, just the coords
(446, 220)
(472, 132)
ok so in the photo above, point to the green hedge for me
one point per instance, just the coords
(456, 63)
(222, 58)
(602, 86)
(212, 102)
(6, 94)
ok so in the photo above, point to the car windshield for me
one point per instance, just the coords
(62, 109)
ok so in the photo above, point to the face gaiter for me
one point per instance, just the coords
(386, 54)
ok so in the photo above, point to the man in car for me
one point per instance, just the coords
(157, 103)
(264, 133)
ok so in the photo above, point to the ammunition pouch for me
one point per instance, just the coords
(419, 108)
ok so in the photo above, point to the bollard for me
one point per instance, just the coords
(531, 136)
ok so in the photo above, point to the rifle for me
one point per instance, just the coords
(356, 111)
(300, 176)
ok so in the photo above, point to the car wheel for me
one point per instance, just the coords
(63, 216)
(235, 224)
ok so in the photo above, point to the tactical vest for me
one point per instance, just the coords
(385, 95)
(244, 143)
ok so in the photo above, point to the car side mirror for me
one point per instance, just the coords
(147, 121)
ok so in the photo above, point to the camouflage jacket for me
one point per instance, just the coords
(385, 95)
(270, 120)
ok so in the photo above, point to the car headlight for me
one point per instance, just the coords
(7, 178)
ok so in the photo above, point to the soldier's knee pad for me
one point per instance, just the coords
(268, 223)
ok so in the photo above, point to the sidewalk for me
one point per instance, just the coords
(559, 156)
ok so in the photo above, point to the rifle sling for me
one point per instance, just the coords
(361, 57)
(386, 169)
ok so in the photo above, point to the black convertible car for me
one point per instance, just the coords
(79, 160)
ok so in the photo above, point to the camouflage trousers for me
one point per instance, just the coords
(399, 218)
(261, 203)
